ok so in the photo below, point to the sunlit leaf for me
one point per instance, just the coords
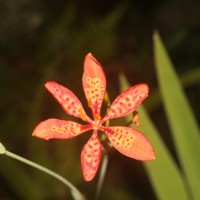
(180, 117)
(165, 176)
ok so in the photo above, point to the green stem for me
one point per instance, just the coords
(74, 191)
(104, 140)
(102, 175)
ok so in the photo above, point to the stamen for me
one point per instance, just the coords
(98, 116)
(107, 99)
(89, 102)
(81, 114)
(135, 119)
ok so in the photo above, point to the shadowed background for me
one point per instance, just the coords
(48, 40)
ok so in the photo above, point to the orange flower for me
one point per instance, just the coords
(128, 141)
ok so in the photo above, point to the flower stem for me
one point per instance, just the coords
(74, 191)
(106, 144)
(102, 175)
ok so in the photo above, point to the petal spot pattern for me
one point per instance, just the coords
(130, 142)
(127, 101)
(94, 91)
(126, 140)
(67, 99)
(94, 83)
(90, 157)
(60, 129)
(68, 129)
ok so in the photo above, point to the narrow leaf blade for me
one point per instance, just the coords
(180, 117)
(163, 172)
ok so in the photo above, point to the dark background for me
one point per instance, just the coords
(48, 40)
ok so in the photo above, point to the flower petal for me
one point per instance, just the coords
(127, 101)
(94, 84)
(60, 129)
(130, 142)
(68, 100)
(91, 156)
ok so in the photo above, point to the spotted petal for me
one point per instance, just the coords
(127, 101)
(91, 156)
(130, 142)
(60, 129)
(94, 84)
(68, 100)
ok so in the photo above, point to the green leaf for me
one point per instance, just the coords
(166, 178)
(182, 122)
(188, 78)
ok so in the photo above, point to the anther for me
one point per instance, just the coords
(81, 114)
(89, 102)
(135, 119)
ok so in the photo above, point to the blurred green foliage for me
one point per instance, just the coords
(47, 40)
(170, 179)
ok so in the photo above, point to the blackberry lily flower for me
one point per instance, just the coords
(126, 140)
